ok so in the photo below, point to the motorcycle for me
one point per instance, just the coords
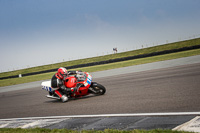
(84, 79)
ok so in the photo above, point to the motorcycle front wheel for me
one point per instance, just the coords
(98, 88)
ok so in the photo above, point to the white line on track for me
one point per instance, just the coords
(107, 115)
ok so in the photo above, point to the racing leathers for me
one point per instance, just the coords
(57, 82)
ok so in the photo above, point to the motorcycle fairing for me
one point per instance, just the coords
(46, 85)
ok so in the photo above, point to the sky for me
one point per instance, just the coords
(40, 32)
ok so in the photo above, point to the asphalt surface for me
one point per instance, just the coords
(173, 89)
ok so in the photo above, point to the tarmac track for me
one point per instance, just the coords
(174, 89)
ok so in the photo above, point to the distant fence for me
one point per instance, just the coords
(109, 61)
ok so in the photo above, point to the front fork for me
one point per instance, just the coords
(92, 89)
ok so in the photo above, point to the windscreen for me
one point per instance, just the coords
(81, 76)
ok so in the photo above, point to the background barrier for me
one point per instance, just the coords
(110, 61)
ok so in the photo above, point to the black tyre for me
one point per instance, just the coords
(50, 93)
(98, 88)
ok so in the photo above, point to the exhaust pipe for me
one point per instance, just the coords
(48, 96)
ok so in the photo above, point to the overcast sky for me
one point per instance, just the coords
(38, 32)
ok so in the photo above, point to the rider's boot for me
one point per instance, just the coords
(64, 98)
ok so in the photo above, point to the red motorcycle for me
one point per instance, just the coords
(84, 79)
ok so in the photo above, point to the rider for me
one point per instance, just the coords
(57, 82)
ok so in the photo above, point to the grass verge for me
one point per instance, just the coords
(45, 76)
(42, 130)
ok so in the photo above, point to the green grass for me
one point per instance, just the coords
(106, 57)
(42, 130)
(45, 76)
